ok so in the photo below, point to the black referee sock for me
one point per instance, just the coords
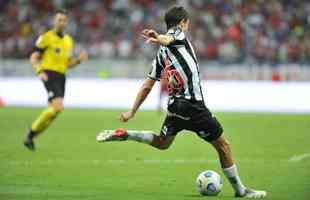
(31, 134)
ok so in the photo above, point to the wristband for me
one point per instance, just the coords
(39, 71)
(78, 61)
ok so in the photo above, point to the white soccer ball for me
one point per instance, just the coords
(209, 183)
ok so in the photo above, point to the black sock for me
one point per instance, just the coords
(31, 134)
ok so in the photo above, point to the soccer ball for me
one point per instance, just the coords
(209, 183)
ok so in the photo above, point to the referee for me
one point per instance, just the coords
(51, 59)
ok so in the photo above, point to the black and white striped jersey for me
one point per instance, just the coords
(179, 56)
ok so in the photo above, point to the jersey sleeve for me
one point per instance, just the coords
(157, 68)
(178, 36)
(41, 43)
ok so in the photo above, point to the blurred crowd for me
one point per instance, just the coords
(227, 31)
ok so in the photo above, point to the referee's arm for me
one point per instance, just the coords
(35, 58)
(76, 61)
(40, 46)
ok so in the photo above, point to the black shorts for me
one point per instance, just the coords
(194, 116)
(55, 85)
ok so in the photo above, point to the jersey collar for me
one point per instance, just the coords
(61, 35)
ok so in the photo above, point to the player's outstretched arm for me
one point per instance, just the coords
(152, 36)
(76, 61)
(141, 96)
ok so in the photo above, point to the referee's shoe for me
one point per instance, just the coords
(28, 142)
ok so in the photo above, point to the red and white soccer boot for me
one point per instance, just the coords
(119, 134)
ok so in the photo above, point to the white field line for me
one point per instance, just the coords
(112, 161)
(156, 161)
(300, 157)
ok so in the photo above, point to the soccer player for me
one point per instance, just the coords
(177, 62)
(51, 59)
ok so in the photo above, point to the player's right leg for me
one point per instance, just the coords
(170, 128)
(148, 137)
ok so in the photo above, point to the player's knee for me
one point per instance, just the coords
(58, 106)
(60, 109)
(163, 146)
(162, 142)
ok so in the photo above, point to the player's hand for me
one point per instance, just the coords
(83, 55)
(43, 76)
(125, 116)
(150, 35)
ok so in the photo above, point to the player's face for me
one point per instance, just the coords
(184, 25)
(60, 22)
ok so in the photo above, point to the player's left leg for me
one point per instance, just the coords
(55, 107)
(222, 146)
(55, 86)
(47, 116)
(208, 128)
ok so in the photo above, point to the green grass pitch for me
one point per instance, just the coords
(271, 150)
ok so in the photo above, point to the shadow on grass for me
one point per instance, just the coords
(198, 196)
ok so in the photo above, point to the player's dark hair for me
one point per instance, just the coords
(61, 11)
(175, 15)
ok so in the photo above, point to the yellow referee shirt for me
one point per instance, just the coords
(56, 51)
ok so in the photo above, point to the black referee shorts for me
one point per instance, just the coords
(194, 116)
(55, 85)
